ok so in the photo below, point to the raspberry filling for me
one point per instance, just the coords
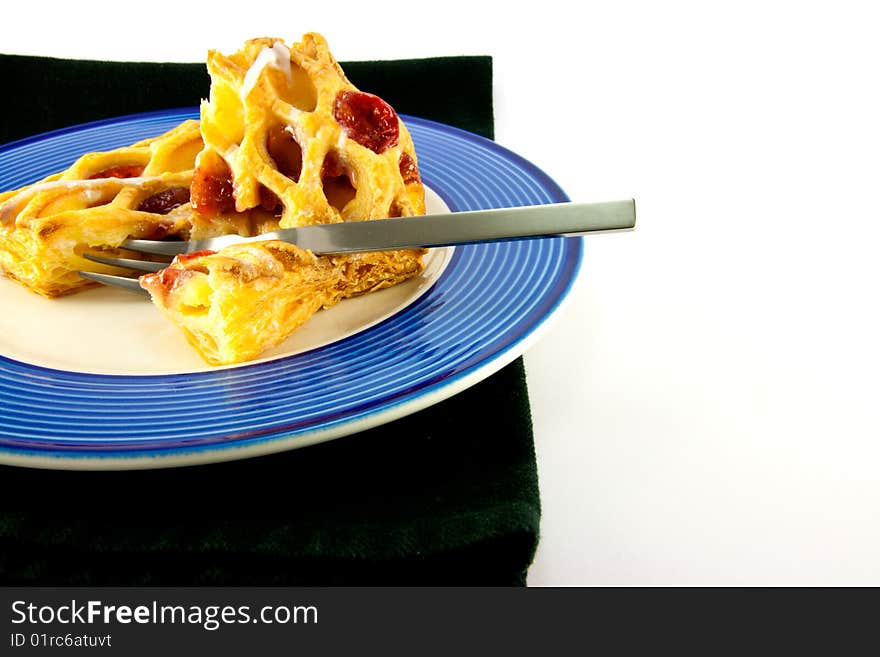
(367, 119)
(123, 171)
(408, 169)
(165, 201)
(211, 192)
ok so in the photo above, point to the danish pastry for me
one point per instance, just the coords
(287, 134)
(284, 129)
(235, 303)
(97, 203)
(283, 140)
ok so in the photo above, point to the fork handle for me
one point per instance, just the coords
(452, 228)
(461, 227)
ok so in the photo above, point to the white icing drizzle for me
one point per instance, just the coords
(92, 195)
(10, 206)
(230, 153)
(278, 57)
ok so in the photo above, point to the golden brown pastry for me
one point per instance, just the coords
(234, 304)
(284, 140)
(285, 130)
(286, 134)
(98, 202)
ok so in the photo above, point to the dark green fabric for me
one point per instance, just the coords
(447, 496)
(53, 93)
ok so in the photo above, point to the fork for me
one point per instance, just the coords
(472, 227)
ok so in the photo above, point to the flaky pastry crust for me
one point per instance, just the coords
(286, 133)
(235, 303)
(285, 139)
(101, 200)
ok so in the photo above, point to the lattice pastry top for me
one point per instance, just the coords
(286, 131)
(99, 201)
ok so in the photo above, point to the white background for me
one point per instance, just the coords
(704, 407)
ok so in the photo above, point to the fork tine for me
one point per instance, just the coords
(126, 263)
(130, 284)
(157, 247)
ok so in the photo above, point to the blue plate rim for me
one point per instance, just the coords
(275, 439)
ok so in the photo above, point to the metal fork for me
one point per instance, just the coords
(480, 226)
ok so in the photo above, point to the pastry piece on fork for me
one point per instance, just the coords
(235, 303)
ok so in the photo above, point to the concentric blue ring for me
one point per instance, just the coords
(475, 318)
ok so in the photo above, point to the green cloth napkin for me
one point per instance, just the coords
(446, 496)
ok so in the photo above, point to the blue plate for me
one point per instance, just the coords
(480, 314)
